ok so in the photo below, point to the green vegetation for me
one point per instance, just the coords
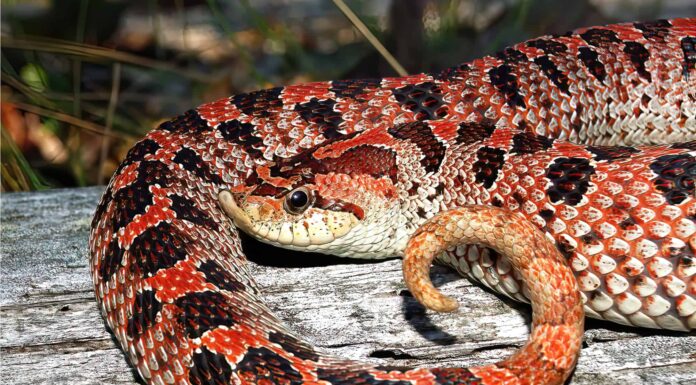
(82, 80)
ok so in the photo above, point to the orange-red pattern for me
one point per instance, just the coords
(171, 278)
(557, 326)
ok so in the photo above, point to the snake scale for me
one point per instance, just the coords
(583, 141)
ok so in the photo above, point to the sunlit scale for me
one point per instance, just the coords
(354, 168)
(312, 227)
(608, 251)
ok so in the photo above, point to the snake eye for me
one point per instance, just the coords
(298, 200)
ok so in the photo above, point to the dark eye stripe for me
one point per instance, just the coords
(339, 205)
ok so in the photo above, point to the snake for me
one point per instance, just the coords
(559, 171)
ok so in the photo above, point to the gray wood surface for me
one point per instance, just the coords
(51, 331)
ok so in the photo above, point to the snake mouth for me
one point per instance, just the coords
(229, 205)
(316, 229)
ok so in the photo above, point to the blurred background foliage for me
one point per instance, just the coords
(83, 80)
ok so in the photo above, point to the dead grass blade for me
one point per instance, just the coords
(94, 53)
(362, 28)
(83, 124)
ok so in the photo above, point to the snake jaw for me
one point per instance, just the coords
(241, 218)
(266, 223)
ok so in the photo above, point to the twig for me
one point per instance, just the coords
(27, 91)
(85, 125)
(94, 53)
(360, 26)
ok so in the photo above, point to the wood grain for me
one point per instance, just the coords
(51, 331)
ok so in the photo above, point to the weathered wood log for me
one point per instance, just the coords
(52, 333)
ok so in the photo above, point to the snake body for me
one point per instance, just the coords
(587, 135)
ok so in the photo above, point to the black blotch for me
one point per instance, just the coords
(455, 376)
(638, 55)
(241, 134)
(414, 188)
(552, 72)
(658, 29)
(528, 143)
(321, 112)
(421, 135)
(627, 222)
(186, 209)
(190, 161)
(590, 237)
(221, 278)
(111, 260)
(490, 161)
(511, 55)
(424, 100)
(102, 206)
(691, 146)
(156, 248)
(263, 366)
(505, 82)
(291, 344)
(518, 197)
(259, 103)
(611, 153)
(594, 294)
(353, 89)
(144, 313)
(687, 262)
(591, 60)
(190, 121)
(676, 176)
(550, 47)
(153, 172)
(209, 368)
(206, 310)
(473, 132)
(134, 199)
(138, 152)
(546, 214)
(354, 377)
(599, 37)
(130, 201)
(563, 245)
(570, 179)
(645, 100)
(688, 46)
(453, 73)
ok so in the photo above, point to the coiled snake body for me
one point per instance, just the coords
(589, 136)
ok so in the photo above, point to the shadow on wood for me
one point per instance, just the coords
(52, 333)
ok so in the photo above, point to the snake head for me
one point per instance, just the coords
(334, 202)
